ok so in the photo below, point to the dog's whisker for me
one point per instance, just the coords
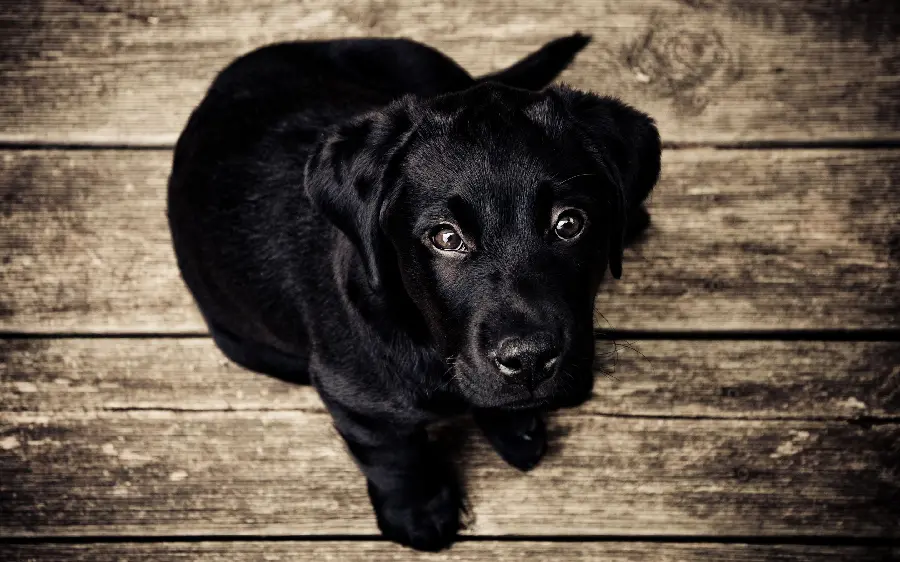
(608, 374)
(574, 177)
(441, 385)
(596, 311)
(632, 347)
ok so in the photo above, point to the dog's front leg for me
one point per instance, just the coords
(520, 436)
(413, 488)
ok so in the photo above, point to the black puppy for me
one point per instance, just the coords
(366, 216)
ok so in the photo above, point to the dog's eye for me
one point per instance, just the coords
(446, 238)
(569, 224)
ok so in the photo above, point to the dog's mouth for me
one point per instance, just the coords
(517, 400)
(569, 386)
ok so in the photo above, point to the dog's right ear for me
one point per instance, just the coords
(351, 172)
(627, 143)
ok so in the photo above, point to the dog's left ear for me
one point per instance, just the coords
(351, 172)
(625, 143)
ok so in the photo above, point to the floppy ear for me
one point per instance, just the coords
(351, 172)
(626, 144)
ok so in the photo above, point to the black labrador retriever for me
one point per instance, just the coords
(365, 216)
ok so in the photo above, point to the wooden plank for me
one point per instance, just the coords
(730, 379)
(461, 552)
(86, 246)
(285, 473)
(757, 239)
(103, 72)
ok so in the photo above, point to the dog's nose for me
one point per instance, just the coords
(528, 360)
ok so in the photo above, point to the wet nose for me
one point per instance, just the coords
(527, 360)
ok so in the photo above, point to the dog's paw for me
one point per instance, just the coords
(427, 522)
(520, 438)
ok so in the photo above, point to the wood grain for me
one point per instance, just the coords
(99, 71)
(801, 239)
(286, 473)
(86, 245)
(725, 379)
(461, 552)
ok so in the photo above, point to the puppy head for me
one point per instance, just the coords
(500, 209)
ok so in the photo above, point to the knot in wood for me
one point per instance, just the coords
(684, 63)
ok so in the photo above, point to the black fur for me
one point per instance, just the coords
(305, 193)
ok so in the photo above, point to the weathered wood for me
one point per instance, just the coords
(730, 379)
(285, 473)
(101, 71)
(741, 240)
(461, 552)
(85, 243)
(766, 239)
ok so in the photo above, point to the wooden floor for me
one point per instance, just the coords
(759, 418)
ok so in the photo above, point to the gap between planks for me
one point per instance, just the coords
(826, 144)
(468, 549)
(836, 335)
